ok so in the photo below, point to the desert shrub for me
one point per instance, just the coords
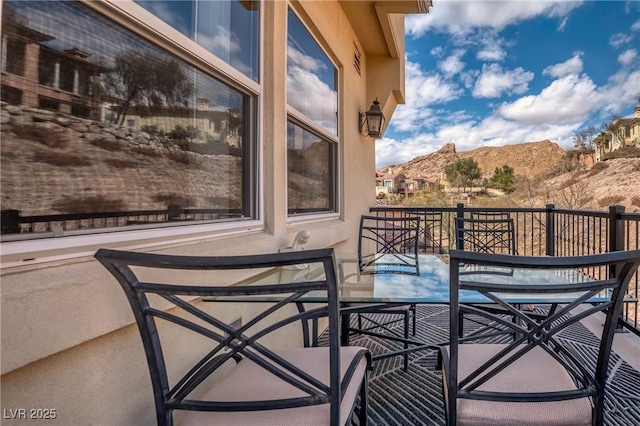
(569, 182)
(121, 164)
(173, 199)
(42, 135)
(89, 204)
(106, 144)
(569, 163)
(625, 152)
(60, 159)
(148, 151)
(152, 129)
(610, 200)
(180, 157)
(635, 201)
(597, 168)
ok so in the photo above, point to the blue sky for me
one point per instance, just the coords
(491, 73)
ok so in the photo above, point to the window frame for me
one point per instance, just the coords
(299, 119)
(48, 246)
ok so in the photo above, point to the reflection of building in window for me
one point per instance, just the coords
(38, 76)
(186, 131)
(218, 125)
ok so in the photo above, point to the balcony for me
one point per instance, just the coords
(415, 396)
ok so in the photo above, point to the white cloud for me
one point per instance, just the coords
(563, 23)
(422, 90)
(437, 51)
(627, 57)
(452, 65)
(491, 48)
(620, 39)
(494, 81)
(570, 66)
(636, 26)
(566, 100)
(455, 16)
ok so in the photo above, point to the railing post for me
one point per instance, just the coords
(616, 243)
(616, 228)
(459, 235)
(551, 230)
(173, 212)
(10, 221)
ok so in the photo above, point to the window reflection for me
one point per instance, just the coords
(310, 167)
(106, 130)
(311, 77)
(227, 28)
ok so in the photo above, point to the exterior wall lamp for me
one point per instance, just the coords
(372, 121)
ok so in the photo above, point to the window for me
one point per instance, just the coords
(13, 62)
(146, 140)
(312, 128)
(226, 28)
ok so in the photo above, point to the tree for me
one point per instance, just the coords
(147, 81)
(583, 141)
(503, 178)
(463, 172)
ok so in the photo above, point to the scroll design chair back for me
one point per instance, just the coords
(538, 376)
(388, 245)
(304, 385)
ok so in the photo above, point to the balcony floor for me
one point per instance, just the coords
(414, 397)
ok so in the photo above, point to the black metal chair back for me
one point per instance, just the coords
(487, 234)
(389, 244)
(533, 332)
(144, 277)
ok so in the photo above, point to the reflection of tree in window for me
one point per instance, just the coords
(147, 81)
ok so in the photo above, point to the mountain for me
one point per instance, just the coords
(530, 159)
(553, 177)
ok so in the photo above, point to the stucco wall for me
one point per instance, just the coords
(68, 342)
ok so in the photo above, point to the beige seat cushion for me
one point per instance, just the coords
(534, 371)
(249, 381)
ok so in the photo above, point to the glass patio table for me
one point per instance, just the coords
(429, 286)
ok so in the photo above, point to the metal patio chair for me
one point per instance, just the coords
(260, 385)
(538, 378)
(388, 245)
(487, 232)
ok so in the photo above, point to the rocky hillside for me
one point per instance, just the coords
(550, 178)
(530, 159)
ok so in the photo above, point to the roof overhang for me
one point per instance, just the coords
(376, 23)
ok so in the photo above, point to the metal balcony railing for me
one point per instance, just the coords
(542, 231)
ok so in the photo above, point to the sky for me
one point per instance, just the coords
(493, 73)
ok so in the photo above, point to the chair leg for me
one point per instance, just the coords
(413, 309)
(406, 336)
(364, 400)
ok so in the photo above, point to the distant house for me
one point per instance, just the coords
(412, 186)
(623, 132)
(387, 183)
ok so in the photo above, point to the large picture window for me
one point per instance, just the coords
(107, 131)
(312, 128)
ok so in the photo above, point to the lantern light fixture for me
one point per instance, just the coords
(371, 122)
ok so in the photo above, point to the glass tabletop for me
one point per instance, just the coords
(430, 285)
